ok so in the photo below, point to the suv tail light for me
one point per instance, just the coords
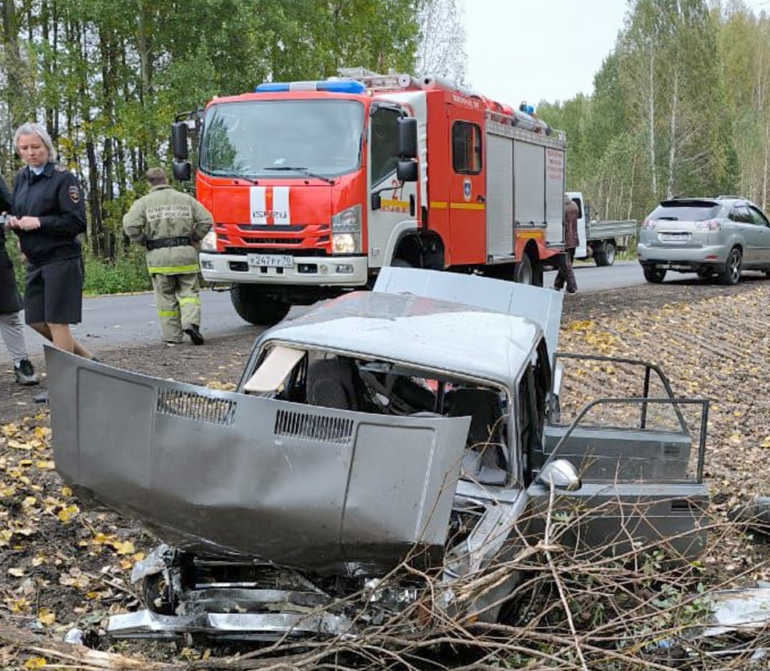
(709, 225)
(649, 223)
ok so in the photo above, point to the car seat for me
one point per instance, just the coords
(334, 383)
(484, 460)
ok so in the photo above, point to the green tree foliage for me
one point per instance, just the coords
(107, 78)
(680, 106)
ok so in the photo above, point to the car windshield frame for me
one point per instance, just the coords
(291, 139)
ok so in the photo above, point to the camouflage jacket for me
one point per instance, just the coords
(168, 216)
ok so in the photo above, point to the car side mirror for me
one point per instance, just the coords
(560, 473)
(182, 170)
(406, 171)
(179, 140)
(406, 138)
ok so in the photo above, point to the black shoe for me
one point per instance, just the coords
(41, 397)
(195, 335)
(25, 373)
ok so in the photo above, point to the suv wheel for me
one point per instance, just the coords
(654, 274)
(732, 272)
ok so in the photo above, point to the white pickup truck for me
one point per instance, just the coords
(600, 239)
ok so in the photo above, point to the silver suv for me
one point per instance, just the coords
(714, 237)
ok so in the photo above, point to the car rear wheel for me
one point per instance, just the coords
(732, 272)
(605, 254)
(654, 274)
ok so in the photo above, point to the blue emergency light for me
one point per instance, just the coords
(331, 86)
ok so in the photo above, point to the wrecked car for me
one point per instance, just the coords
(423, 424)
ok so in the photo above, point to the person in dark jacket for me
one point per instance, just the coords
(11, 326)
(48, 215)
(564, 261)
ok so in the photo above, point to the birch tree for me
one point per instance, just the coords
(673, 81)
(744, 46)
(441, 49)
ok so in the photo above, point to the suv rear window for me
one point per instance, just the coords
(685, 211)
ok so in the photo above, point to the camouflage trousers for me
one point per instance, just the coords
(177, 298)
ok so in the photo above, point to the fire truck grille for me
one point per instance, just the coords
(282, 242)
(278, 248)
(272, 228)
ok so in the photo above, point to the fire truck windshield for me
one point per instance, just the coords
(257, 138)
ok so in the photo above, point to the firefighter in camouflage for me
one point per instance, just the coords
(170, 224)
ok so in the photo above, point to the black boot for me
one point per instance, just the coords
(195, 335)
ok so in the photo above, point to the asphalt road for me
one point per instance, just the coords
(110, 321)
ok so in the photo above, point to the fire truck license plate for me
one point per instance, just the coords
(271, 260)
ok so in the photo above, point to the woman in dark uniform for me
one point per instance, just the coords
(48, 215)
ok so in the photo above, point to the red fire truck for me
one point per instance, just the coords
(315, 186)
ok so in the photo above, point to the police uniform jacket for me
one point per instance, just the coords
(170, 224)
(10, 300)
(54, 197)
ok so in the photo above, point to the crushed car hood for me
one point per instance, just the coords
(226, 473)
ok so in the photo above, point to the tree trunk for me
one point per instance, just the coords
(17, 98)
(672, 140)
(651, 124)
(765, 169)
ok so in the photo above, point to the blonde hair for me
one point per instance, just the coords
(31, 128)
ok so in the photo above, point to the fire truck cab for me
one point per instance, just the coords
(315, 186)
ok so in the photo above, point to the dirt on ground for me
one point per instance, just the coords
(62, 567)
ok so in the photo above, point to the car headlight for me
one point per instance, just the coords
(209, 242)
(346, 231)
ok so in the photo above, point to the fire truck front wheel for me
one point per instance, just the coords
(254, 306)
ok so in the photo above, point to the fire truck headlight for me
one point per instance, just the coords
(209, 242)
(346, 231)
(345, 243)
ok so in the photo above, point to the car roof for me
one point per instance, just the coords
(416, 330)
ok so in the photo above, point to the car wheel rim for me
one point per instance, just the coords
(735, 266)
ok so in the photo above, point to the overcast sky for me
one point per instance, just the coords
(537, 50)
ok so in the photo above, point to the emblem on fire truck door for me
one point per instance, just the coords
(467, 188)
